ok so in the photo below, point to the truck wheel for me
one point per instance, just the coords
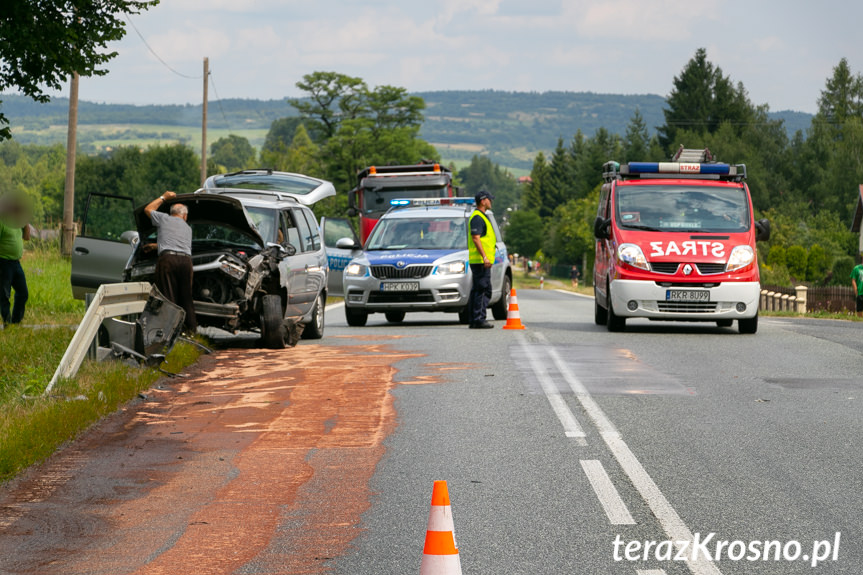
(500, 308)
(273, 331)
(615, 322)
(600, 314)
(748, 325)
(315, 329)
(395, 316)
(356, 317)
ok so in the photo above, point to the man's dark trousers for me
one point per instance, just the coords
(480, 293)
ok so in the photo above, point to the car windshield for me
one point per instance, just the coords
(682, 208)
(419, 233)
(208, 236)
(264, 220)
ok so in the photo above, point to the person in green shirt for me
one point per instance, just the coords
(12, 275)
(857, 284)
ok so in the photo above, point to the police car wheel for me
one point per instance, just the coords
(500, 309)
(395, 316)
(356, 317)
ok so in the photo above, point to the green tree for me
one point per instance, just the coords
(483, 173)
(42, 42)
(702, 98)
(280, 135)
(523, 234)
(231, 153)
(796, 261)
(331, 99)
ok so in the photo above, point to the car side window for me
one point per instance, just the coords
(304, 230)
(315, 236)
(291, 231)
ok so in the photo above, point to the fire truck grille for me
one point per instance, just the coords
(672, 267)
(687, 307)
(394, 273)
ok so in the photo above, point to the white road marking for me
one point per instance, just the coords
(671, 522)
(607, 494)
(650, 572)
(567, 419)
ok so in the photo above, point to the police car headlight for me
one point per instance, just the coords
(632, 255)
(741, 256)
(451, 268)
(356, 270)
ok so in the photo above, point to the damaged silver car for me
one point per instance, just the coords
(259, 263)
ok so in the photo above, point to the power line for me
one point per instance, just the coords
(153, 52)
(219, 100)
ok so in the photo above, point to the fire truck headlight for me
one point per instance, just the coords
(356, 270)
(631, 255)
(741, 256)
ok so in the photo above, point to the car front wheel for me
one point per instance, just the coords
(273, 332)
(315, 329)
(500, 308)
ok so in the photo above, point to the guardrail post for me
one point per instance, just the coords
(783, 302)
(763, 303)
(801, 298)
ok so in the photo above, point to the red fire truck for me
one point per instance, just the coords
(676, 241)
(378, 185)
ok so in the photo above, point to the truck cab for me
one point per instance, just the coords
(677, 241)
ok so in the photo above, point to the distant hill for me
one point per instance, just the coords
(510, 127)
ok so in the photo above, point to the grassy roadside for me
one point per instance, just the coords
(33, 426)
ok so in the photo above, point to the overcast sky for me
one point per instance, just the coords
(782, 51)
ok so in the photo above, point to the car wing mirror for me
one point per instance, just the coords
(762, 230)
(284, 249)
(600, 228)
(347, 244)
(130, 236)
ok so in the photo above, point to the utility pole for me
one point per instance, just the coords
(204, 124)
(67, 236)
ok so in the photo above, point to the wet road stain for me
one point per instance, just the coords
(260, 462)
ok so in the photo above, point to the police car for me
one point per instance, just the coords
(416, 259)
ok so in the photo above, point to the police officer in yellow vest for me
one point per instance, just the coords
(481, 249)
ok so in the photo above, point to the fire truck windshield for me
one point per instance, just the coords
(376, 200)
(682, 208)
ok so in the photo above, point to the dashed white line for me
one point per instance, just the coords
(650, 572)
(607, 494)
(671, 522)
(567, 419)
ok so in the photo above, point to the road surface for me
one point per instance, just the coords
(665, 449)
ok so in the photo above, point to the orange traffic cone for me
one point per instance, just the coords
(513, 319)
(440, 555)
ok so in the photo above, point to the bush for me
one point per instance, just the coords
(796, 262)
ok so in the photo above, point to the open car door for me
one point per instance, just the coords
(108, 237)
(342, 245)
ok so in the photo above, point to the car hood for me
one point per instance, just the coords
(216, 209)
(401, 258)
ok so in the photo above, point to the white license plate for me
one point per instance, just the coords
(687, 295)
(400, 286)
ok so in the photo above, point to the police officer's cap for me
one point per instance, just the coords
(482, 194)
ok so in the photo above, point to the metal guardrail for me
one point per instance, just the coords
(111, 300)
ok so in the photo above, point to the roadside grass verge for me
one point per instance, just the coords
(32, 425)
